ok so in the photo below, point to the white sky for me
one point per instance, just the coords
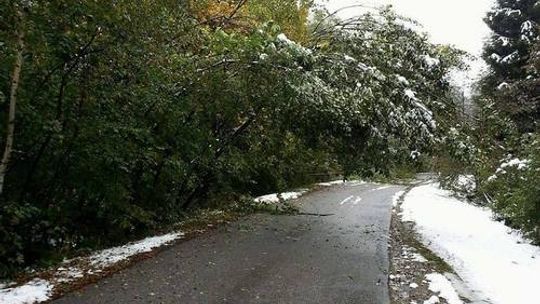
(456, 22)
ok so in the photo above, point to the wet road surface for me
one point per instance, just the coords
(339, 257)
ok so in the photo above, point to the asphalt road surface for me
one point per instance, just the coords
(338, 257)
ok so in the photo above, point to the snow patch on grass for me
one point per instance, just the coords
(433, 300)
(417, 257)
(466, 183)
(439, 284)
(493, 260)
(37, 290)
(410, 253)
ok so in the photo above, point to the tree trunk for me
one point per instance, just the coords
(12, 101)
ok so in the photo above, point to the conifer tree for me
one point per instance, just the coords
(515, 30)
(515, 26)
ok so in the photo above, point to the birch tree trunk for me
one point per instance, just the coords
(14, 85)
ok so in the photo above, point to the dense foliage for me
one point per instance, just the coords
(130, 113)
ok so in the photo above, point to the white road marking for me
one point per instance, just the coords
(346, 200)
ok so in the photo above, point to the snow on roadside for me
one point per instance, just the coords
(114, 255)
(396, 197)
(332, 183)
(494, 261)
(439, 284)
(276, 197)
(35, 291)
(40, 290)
(342, 182)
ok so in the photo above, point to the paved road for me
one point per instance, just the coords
(338, 258)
